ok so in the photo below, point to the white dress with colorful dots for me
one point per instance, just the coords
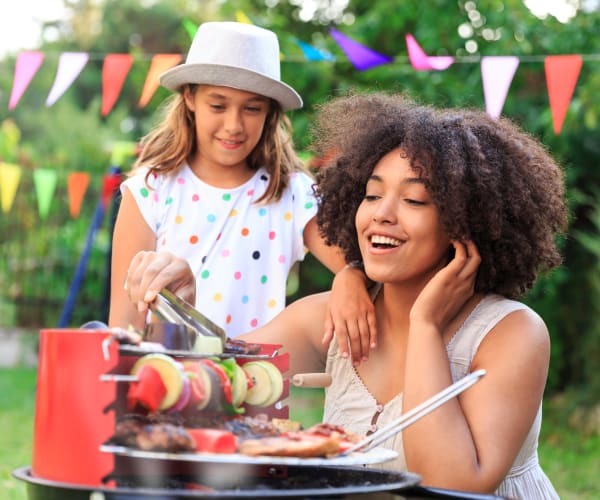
(240, 251)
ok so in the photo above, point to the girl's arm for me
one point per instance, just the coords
(470, 442)
(351, 314)
(131, 235)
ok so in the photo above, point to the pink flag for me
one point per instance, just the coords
(562, 73)
(26, 67)
(114, 72)
(70, 64)
(361, 57)
(421, 61)
(160, 63)
(497, 73)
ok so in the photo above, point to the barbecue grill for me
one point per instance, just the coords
(79, 399)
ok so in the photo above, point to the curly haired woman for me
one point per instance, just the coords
(454, 215)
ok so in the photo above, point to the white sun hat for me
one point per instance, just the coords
(237, 55)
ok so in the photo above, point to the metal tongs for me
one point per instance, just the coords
(172, 309)
(416, 413)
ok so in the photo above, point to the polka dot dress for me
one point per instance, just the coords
(240, 251)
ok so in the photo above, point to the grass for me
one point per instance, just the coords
(569, 451)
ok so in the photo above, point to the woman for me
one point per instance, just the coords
(454, 215)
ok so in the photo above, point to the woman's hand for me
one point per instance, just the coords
(449, 289)
(351, 315)
(150, 272)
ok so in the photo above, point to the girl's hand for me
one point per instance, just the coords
(351, 315)
(449, 289)
(150, 272)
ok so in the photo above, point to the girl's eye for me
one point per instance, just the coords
(217, 107)
(254, 109)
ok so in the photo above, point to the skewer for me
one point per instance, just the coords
(416, 413)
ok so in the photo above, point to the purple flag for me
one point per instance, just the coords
(497, 73)
(26, 67)
(361, 57)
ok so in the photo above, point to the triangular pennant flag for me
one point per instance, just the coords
(421, 61)
(562, 73)
(10, 175)
(190, 27)
(114, 72)
(361, 57)
(160, 63)
(77, 184)
(70, 64)
(313, 54)
(44, 180)
(110, 184)
(497, 73)
(26, 67)
(240, 17)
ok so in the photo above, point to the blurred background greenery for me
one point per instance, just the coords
(38, 257)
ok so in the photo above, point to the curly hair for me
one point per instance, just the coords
(492, 183)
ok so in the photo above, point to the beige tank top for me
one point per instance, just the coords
(350, 404)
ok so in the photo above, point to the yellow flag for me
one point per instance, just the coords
(242, 18)
(10, 175)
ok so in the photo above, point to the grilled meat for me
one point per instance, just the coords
(165, 437)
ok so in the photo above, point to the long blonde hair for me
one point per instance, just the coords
(168, 146)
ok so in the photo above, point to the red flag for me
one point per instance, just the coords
(562, 73)
(114, 72)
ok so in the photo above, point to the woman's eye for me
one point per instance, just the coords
(371, 197)
(414, 202)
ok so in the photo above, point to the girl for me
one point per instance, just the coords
(219, 184)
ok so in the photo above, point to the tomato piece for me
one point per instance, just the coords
(214, 440)
(148, 391)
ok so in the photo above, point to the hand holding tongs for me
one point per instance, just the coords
(172, 309)
(416, 413)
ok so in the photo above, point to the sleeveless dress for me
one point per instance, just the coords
(349, 403)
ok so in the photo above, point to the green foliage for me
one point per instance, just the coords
(72, 136)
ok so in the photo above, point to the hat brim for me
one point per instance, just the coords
(230, 76)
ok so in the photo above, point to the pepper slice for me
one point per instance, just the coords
(148, 391)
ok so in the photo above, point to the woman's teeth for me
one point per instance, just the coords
(378, 240)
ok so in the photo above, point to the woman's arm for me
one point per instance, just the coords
(470, 442)
(298, 328)
(351, 315)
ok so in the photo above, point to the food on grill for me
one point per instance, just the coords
(170, 373)
(251, 436)
(214, 440)
(239, 346)
(267, 382)
(292, 444)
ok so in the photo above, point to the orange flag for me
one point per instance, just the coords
(562, 73)
(160, 63)
(114, 72)
(77, 184)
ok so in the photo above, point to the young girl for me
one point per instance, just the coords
(219, 184)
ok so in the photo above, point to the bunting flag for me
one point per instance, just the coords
(562, 73)
(26, 67)
(312, 53)
(10, 175)
(77, 184)
(159, 64)
(240, 17)
(421, 61)
(110, 184)
(70, 65)
(497, 74)
(114, 72)
(361, 57)
(190, 27)
(44, 181)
